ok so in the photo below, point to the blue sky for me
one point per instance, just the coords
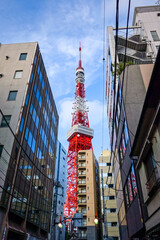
(58, 26)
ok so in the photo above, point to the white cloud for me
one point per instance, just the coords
(95, 113)
(65, 114)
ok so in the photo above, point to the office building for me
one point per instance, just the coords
(28, 134)
(108, 197)
(125, 92)
(88, 195)
(59, 193)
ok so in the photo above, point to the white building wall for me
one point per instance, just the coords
(148, 18)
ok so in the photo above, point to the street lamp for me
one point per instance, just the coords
(96, 218)
(60, 223)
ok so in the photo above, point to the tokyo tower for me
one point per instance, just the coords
(79, 137)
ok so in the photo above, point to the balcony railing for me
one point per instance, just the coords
(82, 191)
(82, 182)
(84, 222)
(82, 210)
(83, 200)
(81, 165)
(82, 173)
(153, 183)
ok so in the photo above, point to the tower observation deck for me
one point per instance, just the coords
(79, 137)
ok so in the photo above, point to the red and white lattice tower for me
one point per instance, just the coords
(79, 137)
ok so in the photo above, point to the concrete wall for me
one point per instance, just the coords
(147, 17)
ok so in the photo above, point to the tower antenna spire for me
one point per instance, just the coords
(80, 61)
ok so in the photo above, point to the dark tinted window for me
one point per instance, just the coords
(23, 56)
(12, 95)
(6, 119)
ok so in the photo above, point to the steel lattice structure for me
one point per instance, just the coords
(79, 137)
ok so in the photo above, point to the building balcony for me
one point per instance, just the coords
(82, 192)
(133, 42)
(82, 174)
(153, 183)
(81, 183)
(81, 158)
(83, 211)
(82, 201)
(81, 166)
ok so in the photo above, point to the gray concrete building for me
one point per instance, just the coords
(28, 134)
(125, 93)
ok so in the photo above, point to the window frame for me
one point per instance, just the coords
(3, 121)
(16, 72)
(22, 54)
(10, 92)
(155, 36)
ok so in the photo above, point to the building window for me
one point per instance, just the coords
(21, 125)
(23, 56)
(155, 36)
(110, 185)
(88, 219)
(27, 98)
(151, 173)
(18, 74)
(6, 119)
(12, 95)
(114, 224)
(108, 164)
(111, 197)
(1, 149)
(113, 210)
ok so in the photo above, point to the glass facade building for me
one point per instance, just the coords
(28, 183)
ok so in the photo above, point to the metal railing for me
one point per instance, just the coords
(82, 173)
(82, 182)
(81, 165)
(83, 200)
(82, 191)
(84, 211)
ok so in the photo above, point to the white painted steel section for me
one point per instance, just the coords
(80, 130)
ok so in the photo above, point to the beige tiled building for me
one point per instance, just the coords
(108, 200)
(88, 194)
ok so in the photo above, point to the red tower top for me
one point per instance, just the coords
(80, 61)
